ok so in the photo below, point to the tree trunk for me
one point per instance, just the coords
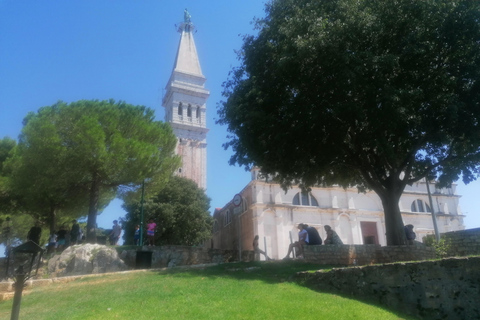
(52, 220)
(92, 212)
(393, 218)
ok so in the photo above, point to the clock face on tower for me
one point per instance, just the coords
(237, 200)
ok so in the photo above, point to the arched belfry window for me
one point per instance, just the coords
(198, 113)
(304, 199)
(189, 111)
(180, 109)
(420, 206)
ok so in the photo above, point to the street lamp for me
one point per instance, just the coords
(27, 250)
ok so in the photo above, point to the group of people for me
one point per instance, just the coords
(310, 236)
(151, 228)
(61, 239)
(64, 237)
(307, 235)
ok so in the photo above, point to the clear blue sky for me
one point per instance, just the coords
(125, 50)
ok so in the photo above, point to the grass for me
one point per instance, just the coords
(228, 291)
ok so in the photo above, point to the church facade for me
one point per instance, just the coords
(185, 107)
(263, 208)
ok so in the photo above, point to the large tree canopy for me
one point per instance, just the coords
(84, 152)
(377, 94)
(180, 210)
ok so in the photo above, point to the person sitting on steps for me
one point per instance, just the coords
(302, 241)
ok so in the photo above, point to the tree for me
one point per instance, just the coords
(377, 94)
(14, 225)
(6, 146)
(86, 151)
(40, 177)
(180, 211)
(14, 220)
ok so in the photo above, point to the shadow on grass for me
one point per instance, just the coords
(272, 272)
(269, 272)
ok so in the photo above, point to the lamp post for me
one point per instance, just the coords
(30, 249)
(140, 242)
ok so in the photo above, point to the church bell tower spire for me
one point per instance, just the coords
(185, 106)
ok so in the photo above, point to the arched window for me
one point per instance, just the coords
(216, 227)
(420, 206)
(180, 109)
(227, 218)
(304, 199)
(189, 111)
(197, 115)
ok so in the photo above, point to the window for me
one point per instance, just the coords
(420, 206)
(189, 111)
(304, 199)
(216, 227)
(198, 112)
(227, 218)
(180, 109)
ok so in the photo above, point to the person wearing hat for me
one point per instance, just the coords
(302, 241)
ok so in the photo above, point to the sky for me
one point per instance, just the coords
(125, 50)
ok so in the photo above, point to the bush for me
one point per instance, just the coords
(442, 248)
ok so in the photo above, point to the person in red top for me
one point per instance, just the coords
(151, 226)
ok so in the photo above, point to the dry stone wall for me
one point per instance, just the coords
(172, 256)
(344, 255)
(442, 289)
(463, 242)
(336, 255)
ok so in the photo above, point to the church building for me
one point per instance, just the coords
(262, 207)
(185, 107)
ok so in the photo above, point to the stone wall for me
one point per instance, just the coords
(336, 255)
(442, 289)
(463, 242)
(171, 256)
(344, 255)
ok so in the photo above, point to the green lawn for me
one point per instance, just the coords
(228, 291)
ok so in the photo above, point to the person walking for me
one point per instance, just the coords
(256, 249)
(34, 233)
(115, 234)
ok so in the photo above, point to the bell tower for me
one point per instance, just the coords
(185, 107)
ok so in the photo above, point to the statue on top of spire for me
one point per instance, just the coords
(187, 18)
